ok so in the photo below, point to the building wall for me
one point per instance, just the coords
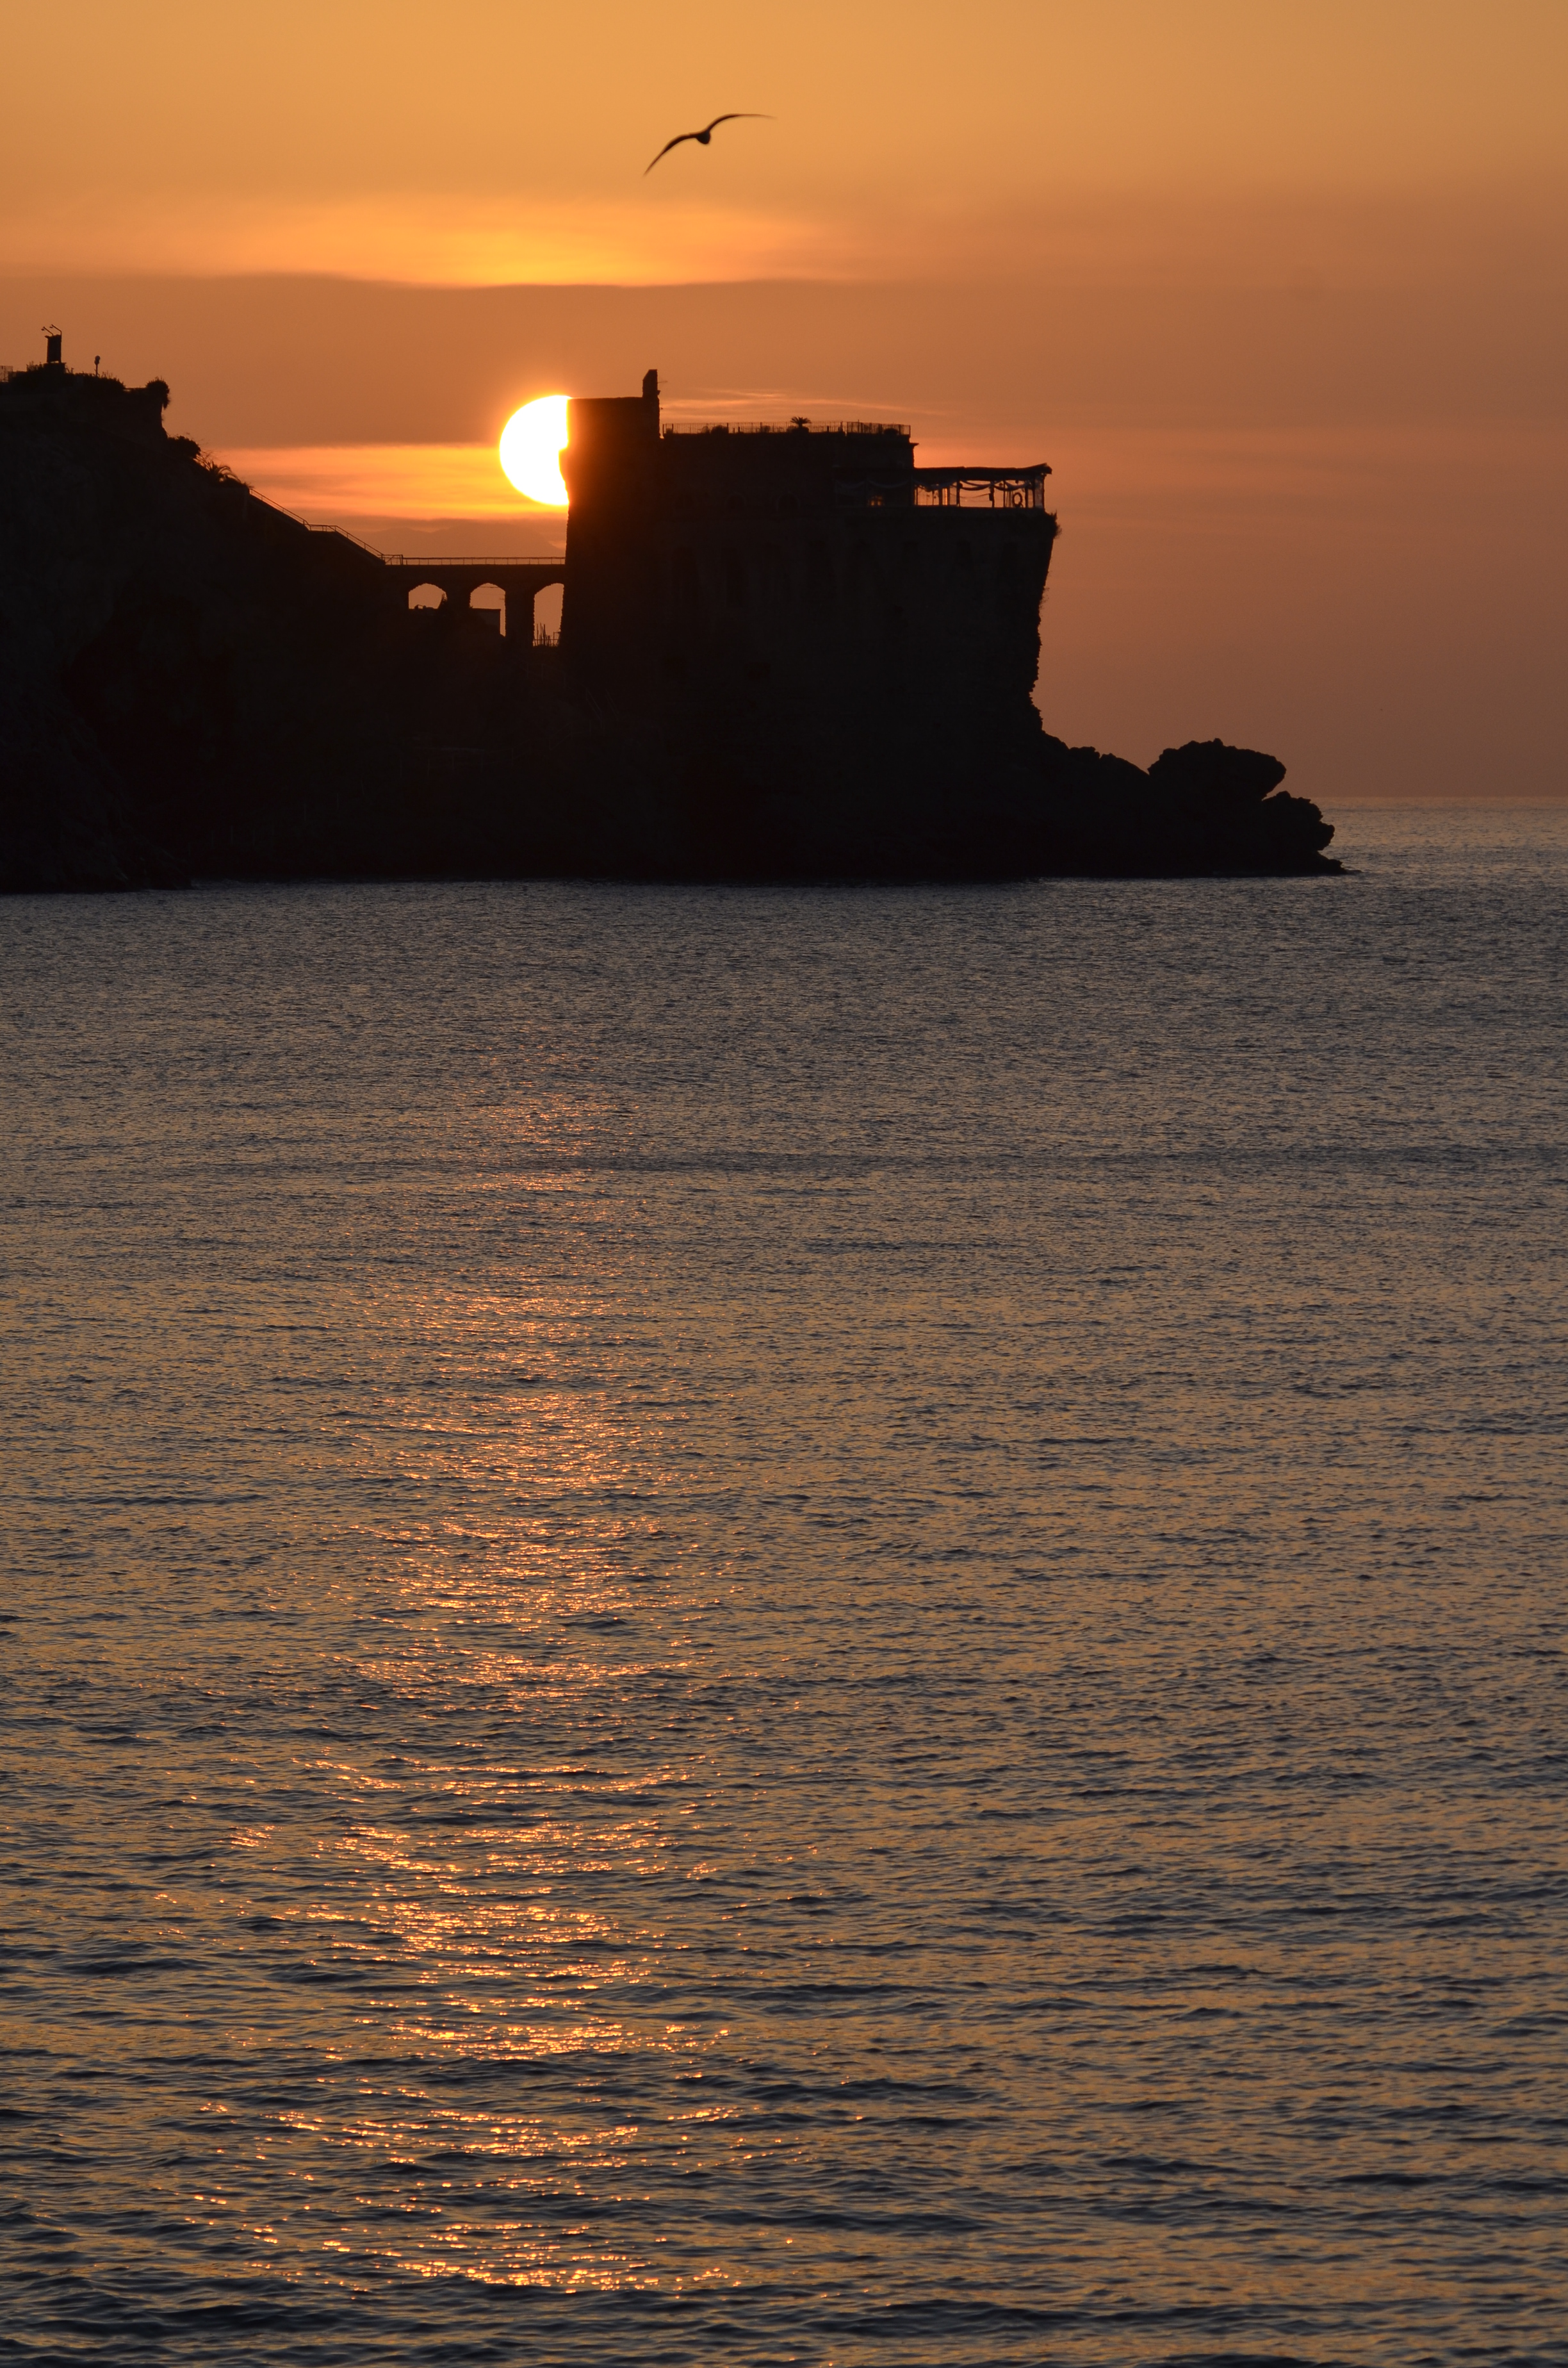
(785, 589)
(926, 603)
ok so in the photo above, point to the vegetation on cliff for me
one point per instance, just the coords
(192, 684)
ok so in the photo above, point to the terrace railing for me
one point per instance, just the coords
(995, 489)
(967, 488)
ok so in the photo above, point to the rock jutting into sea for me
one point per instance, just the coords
(784, 655)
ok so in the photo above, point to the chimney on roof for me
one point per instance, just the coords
(51, 355)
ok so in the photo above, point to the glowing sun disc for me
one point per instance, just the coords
(531, 444)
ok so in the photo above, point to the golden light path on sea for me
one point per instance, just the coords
(496, 1902)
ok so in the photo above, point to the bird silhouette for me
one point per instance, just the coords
(745, 115)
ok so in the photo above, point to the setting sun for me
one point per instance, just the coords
(531, 442)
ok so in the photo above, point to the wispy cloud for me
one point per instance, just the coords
(387, 481)
(447, 241)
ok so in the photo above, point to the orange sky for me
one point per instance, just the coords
(1277, 285)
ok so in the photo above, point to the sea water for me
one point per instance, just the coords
(820, 1625)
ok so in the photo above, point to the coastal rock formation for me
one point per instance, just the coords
(194, 684)
(1204, 807)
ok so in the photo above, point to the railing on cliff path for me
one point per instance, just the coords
(403, 560)
(400, 559)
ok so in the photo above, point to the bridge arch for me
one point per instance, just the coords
(511, 585)
(546, 608)
(488, 598)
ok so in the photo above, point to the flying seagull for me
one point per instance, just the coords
(746, 115)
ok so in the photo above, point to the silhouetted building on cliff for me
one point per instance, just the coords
(808, 576)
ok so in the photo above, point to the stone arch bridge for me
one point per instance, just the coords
(519, 580)
(396, 576)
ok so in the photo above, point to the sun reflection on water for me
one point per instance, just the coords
(494, 1843)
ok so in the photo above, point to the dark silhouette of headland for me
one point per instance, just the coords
(786, 652)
